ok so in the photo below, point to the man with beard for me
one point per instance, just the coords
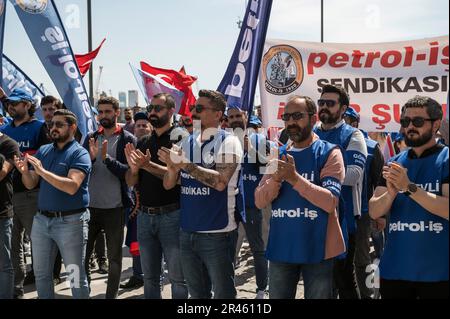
(207, 167)
(332, 106)
(62, 169)
(186, 122)
(304, 188)
(109, 193)
(252, 166)
(129, 122)
(30, 134)
(159, 212)
(414, 192)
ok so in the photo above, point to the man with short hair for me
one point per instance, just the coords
(207, 166)
(49, 105)
(30, 134)
(129, 122)
(414, 192)
(332, 128)
(8, 149)
(63, 170)
(158, 222)
(108, 190)
(304, 188)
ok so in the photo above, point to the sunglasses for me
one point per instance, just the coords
(157, 108)
(200, 108)
(295, 116)
(327, 103)
(57, 124)
(416, 121)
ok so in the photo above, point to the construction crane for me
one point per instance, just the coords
(97, 83)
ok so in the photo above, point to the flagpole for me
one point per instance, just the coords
(321, 21)
(91, 72)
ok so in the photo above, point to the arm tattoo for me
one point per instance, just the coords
(213, 178)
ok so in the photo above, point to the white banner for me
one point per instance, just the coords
(379, 77)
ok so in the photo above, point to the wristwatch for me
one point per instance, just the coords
(411, 189)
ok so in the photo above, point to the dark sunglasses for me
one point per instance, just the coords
(295, 116)
(157, 108)
(57, 124)
(416, 121)
(200, 108)
(327, 103)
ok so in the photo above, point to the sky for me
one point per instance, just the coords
(201, 34)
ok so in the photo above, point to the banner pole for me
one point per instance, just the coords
(91, 71)
(321, 21)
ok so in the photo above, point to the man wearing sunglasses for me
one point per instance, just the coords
(414, 192)
(332, 128)
(158, 221)
(304, 190)
(110, 196)
(30, 134)
(207, 166)
(62, 169)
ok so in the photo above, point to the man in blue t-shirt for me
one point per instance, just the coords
(62, 169)
(414, 192)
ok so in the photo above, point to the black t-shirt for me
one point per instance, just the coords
(151, 190)
(8, 148)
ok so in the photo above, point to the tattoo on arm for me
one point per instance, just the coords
(217, 179)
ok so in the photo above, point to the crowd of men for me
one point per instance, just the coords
(184, 189)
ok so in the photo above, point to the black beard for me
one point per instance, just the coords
(236, 125)
(19, 117)
(159, 122)
(328, 120)
(128, 118)
(107, 123)
(298, 134)
(420, 141)
(60, 138)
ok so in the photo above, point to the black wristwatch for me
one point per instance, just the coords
(412, 188)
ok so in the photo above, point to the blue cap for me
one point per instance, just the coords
(19, 95)
(254, 120)
(352, 113)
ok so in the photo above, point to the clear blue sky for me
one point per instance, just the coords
(201, 34)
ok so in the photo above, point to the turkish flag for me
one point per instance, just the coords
(84, 61)
(180, 80)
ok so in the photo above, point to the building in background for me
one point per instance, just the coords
(133, 98)
(123, 100)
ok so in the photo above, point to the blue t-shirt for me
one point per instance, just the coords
(60, 162)
(417, 241)
(298, 228)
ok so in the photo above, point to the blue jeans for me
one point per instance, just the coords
(207, 256)
(253, 231)
(158, 235)
(6, 267)
(69, 234)
(137, 267)
(318, 280)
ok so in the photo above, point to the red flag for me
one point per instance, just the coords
(182, 82)
(84, 61)
(183, 70)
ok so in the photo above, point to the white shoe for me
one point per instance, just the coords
(261, 294)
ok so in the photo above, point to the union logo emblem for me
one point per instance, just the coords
(33, 6)
(283, 70)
